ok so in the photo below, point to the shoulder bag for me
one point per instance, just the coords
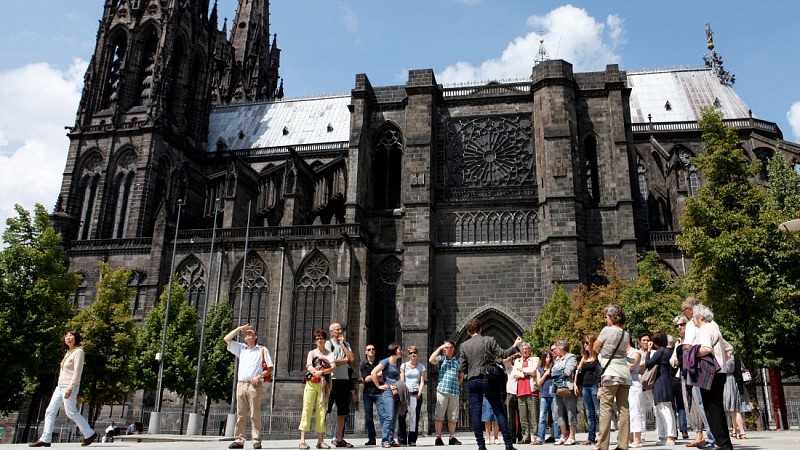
(648, 378)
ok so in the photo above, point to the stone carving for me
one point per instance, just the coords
(489, 152)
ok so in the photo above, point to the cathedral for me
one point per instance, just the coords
(400, 212)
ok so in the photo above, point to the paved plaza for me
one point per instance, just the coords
(773, 440)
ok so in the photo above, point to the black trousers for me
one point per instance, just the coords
(715, 412)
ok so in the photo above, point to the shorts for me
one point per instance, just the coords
(446, 406)
(340, 394)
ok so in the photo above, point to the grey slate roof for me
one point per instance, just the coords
(687, 90)
(319, 120)
(305, 121)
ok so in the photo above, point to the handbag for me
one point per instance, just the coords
(648, 378)
(564, 392)
(264, 367)
(493, 371)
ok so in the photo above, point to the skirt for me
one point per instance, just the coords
(487, 414)
(732, 400)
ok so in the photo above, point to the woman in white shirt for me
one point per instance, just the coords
(412, 372)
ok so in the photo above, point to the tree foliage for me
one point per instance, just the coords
(744, 268)
(654, 298)
(552, 323)
(109, 335)
(182, 346)
(217, 377)
(34, 304)
(588, 303)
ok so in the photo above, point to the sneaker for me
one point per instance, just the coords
(660, 443)
(495, 441)
(235, 444)
(439, 441)
(670, 441)
(685, 435)
(453, 441)
(257, 445)
(39, 444)
(88, 441)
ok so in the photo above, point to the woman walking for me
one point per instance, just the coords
(66, 392)
(319, 367)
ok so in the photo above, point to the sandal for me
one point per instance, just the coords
(303, 446)
(322, 445)
(742, 436)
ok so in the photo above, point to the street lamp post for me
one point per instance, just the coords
(154, 426)
(194, 422)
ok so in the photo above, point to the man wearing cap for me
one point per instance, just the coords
(249, 385)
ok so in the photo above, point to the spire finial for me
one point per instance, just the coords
(541, 55)
(714, 61)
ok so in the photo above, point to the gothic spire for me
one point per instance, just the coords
(714, 61)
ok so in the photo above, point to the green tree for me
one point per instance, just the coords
(34, 304)
(654, 298)
(552, 323)
(743, 267)
(589, 302)
(183, 343)
(217, 377)
(109, 334)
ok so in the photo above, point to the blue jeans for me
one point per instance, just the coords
(370, 399)
(591, 404)
(545, 409)
(478, 388)
(388, 417)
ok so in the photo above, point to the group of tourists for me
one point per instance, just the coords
(689, 382)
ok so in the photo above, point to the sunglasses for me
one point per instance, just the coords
(680, 325)
(370, 349)
(412, 353)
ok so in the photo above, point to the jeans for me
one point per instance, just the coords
(591, 404)
(545, 409)
(478, 388)
(371, 398)
(388, 417)
(70, 407)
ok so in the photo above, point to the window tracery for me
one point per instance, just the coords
(191, 277)
(251, 301)
(313, 298)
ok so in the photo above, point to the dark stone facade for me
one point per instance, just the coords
(442, 204)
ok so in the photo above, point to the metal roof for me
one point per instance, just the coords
(686, 90)
(280, 123)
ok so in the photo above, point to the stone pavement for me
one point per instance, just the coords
(773, 440)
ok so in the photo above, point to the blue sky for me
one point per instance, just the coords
(45, 46)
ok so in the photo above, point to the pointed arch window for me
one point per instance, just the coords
(147, 68)
(591, 170)
(79, 297)
(192, 278)
(253, 300)
(313, 299)
(137, 282)
(642, 174)
(384, 317)
(177, 81)
(387, 169)
(123, 194)
(90, 181)
(691, 177)
(117, 52)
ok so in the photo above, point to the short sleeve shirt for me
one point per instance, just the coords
(391, 373)
(340, 372)
(413, 375)
(249, 360)
(610, 336)
(448, 375)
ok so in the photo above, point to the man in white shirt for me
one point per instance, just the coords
(341, 387)
(250, 383)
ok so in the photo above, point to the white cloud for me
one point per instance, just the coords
(793, 116)
(569, 33)
(38, 101)
(349, 20)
